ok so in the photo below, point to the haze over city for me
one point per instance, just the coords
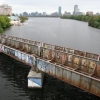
(49, 6)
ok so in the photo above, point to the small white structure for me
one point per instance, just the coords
(15, 20)
(35, 80)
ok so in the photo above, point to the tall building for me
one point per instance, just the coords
(75, 10)
(5, 9)
(59, 10)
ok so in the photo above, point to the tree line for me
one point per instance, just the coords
(23, 19)
(4, 23)
(93, 21)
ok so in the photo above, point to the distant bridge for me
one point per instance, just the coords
(78, 68)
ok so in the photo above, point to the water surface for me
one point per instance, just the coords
(69, 33)
(13, 85)
(64, 32)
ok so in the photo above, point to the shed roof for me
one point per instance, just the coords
(14, 18)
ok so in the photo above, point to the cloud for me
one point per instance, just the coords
(49, 6)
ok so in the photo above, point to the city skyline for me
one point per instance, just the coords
(49, 7)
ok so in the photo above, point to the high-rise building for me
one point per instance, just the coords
(75, 10)
(59, 10)
(5, 9)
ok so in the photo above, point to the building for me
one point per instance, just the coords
(90, 13)
(55, 14)
(59, 10)
(76, 10)
(5, 9)
(67, 13)
(80, 13)
(98, 14)
(44, 13)
(25, 14)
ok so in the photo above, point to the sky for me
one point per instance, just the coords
(50, 6)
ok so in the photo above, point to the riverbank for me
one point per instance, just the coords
(93, 21)
(4, 23)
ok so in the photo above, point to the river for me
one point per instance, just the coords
(69, 33)
(63, 32)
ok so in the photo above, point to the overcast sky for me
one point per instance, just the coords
(49, 6)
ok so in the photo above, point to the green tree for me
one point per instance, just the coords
(23, 18)
(8, 21)
(93, 21)
(4, 23)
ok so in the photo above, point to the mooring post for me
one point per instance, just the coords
(35, 79)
